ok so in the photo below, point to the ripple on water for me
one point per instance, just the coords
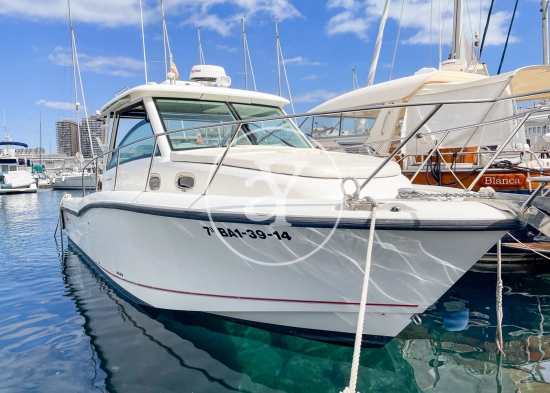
(64, 329)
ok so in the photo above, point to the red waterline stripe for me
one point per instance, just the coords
(253, 298)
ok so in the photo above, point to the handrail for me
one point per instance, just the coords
(239, 123)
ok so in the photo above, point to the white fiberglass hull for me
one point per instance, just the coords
(19, 190)
(307, 275)
(73, 182)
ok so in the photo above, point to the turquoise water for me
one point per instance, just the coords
(63, 329)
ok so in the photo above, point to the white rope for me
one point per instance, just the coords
(362, 306)
(499, 311)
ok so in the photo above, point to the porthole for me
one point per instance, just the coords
(185, 181)
(154, 182)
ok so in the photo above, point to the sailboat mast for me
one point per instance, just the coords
(40, 151)
(6, 136)
(457, 29)
(378, 44)
(278, 58)
(143, 42)
(244, 54)
(544, 11)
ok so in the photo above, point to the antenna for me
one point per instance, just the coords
(143, 41)
(201, 54)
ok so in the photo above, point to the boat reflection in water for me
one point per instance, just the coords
(455, 345)
(167, 351)
(141, 349)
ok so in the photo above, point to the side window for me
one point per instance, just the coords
(132, 126)
(326, 126)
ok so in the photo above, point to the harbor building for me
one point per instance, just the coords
(66, 136)
(97, 134)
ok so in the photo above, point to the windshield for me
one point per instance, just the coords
(184, 114)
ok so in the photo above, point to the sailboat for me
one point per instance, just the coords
(494, 154)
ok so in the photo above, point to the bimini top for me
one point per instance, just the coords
(194, 91)
(9, 143)
(522, 80)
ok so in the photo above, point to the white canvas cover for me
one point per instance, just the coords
(460, 115)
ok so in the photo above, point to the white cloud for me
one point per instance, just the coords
(115, 65)
(310, 78)
(204, 13)
(56, 104)
(299, 60)
(116, 13)
(227, 48)
(315, 96)
(360, 17)
(106, 13)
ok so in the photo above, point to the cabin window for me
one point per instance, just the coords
(275, 132)
(133, 125)
(182, 114)
(199, 122)
(358, 123)
(326, 126)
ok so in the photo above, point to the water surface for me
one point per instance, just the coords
(63, 329)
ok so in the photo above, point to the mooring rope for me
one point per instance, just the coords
(499, 341)
(363, 304)
(527, 247)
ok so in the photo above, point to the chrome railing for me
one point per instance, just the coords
(239, 123)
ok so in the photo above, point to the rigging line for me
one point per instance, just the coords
(507, 38)
(83, 98)
(486, 28)
(480, 13)
(250, 63)
(471, 26)
(444, 19)
(397, 38)
(286, 77)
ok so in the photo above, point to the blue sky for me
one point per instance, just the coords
(321, 40)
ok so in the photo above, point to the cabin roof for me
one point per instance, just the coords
(522, 80)
(194, 91)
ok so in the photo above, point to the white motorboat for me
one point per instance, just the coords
(73, 181)
(15, 176)
(258, 232)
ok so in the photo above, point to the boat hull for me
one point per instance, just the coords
(311, 281)
(72, 183)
